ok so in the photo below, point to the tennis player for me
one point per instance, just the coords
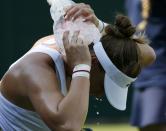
(47, 90)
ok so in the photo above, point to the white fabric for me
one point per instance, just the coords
(82, 67)
(116, 83)
(81, 74)
(59, 65)
(14, 118)
(88, 31)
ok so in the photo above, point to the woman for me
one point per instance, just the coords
(45, 90)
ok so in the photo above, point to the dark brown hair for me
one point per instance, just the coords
(121, 47)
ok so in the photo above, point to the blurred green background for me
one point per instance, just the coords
(24, 22)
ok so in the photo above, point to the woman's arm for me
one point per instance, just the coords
(80, 9)
(60, 113)
(84, 10)
(148, 55)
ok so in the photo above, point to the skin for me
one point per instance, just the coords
(34, 86)
(37, 87)
(148, 55)
(149, 59)
(32, 82)
(81, 9)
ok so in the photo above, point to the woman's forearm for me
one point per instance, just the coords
(73, 107)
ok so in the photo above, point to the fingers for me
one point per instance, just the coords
(73, 10)
(80, 41)
(76, 15)
(93, 19)
(67, 8)
(75, 37)
(66, 39)
(88, 18)
(70, 12)
(82, 12)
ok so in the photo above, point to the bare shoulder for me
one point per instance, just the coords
(28, 67)
(32, 77)
(45, 39)
(33, 60)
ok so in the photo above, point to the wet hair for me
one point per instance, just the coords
(121, 47)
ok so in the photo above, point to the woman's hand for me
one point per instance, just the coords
(81, 10)
(77, 51)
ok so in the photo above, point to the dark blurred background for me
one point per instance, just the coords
(24, 22)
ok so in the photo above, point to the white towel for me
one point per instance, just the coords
(88, 31)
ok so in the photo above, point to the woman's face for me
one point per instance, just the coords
(96, 80)
(96, 77)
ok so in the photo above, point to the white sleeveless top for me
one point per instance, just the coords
(14, 118)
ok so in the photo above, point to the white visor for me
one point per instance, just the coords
(116, 83)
